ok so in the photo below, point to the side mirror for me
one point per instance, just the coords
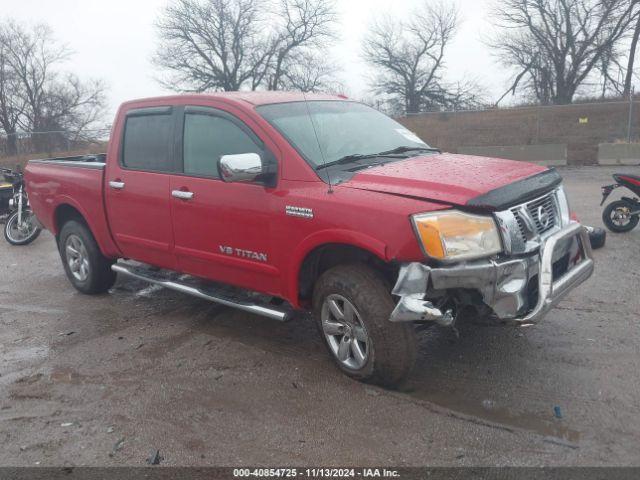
(243, 167)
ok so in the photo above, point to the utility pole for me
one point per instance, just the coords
(630, 124)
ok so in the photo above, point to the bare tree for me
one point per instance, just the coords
(12, 101)
(234, 44)
(31, 55)
(210, 44)
(73, 105)
(616, 66)
(410, 58)
(609, 69)
(308, 72)
(632, 57)
(34, 96)
(555, 45)
(307, 25)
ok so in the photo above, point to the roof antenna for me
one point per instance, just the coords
(315, 132)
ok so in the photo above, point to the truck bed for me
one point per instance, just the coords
(64, 185)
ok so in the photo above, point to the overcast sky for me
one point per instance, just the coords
(115, 40)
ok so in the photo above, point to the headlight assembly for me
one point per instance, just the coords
(451, 235)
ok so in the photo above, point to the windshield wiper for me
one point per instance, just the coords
(364, 156)
(405, 149)
(352, 158)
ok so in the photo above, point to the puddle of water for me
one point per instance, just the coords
(17, 363)
(64, 375)
(33, 309)
(497, 414)
(22, 354)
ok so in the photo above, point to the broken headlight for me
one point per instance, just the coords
(451, 235)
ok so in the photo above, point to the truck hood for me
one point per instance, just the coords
(463, 180)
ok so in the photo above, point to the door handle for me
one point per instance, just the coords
(117, 185)
(182, 195)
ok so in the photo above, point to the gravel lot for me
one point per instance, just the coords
(104, 380)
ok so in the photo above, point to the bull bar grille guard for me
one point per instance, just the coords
(413, 279)
(551, 292)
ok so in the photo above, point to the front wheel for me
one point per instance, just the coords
(21, 233)
(618, 218)
(351, 307)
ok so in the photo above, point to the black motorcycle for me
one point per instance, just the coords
(622, 215)
(21, 226)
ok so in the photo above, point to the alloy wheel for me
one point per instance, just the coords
(77, 257)
(345, 333)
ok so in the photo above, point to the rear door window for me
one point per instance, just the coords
(207, 137)
(148, 141)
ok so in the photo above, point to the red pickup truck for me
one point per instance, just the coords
(279, 203)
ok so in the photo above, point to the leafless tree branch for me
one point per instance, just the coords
(410, 56)
(234, 44)
(555, 45)
(34, 95)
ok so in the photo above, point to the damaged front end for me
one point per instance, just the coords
(540, 264)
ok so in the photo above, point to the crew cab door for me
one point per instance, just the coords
(137, 190)
(221, 230)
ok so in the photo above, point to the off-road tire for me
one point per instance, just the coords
(606, 218)
(100, 277)
(392, 346)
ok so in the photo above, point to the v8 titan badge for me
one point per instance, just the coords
(241, 253)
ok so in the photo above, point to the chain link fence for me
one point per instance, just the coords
(576, 134)
(20, 147)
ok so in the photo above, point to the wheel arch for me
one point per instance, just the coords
(316, 257)
(68, 210)
(64, 213)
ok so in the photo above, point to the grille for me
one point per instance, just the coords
(542, 212)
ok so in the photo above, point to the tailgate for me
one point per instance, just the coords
(59, 188)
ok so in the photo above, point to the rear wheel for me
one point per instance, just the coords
(21, 233)
(618, 218)
(87, 269)
(352, 306)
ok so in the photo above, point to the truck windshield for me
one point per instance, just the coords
(345, 131)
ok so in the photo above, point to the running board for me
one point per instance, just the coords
(213, 292)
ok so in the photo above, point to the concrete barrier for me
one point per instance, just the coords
(550, 154)
(619, 154)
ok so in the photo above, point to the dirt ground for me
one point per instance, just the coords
(105, 380)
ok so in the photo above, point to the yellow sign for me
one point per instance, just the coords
(583, 120)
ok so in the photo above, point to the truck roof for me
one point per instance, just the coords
(253, 98)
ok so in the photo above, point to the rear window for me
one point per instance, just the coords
(148, 143)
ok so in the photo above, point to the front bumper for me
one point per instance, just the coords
(505, 285)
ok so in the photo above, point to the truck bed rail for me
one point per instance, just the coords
(81, 161)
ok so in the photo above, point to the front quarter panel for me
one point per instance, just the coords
(376, 222)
